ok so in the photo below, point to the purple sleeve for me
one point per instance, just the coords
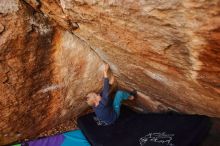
(105, 91)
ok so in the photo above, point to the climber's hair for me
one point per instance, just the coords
(90, 99)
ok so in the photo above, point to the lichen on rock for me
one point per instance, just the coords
(9, 6)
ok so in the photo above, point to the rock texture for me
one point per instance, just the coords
(45, 72)
(167, 50)
(51, 52)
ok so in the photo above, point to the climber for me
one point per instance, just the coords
(102, 103)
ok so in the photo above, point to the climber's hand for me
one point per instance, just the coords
(112, 80)
(106, 67)
(106, 70)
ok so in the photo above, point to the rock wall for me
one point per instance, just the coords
(52, 51)
(45, 72)
(167, 50)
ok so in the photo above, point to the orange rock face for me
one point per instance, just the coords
(45, 72)
(169, 51)
(51, 56)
